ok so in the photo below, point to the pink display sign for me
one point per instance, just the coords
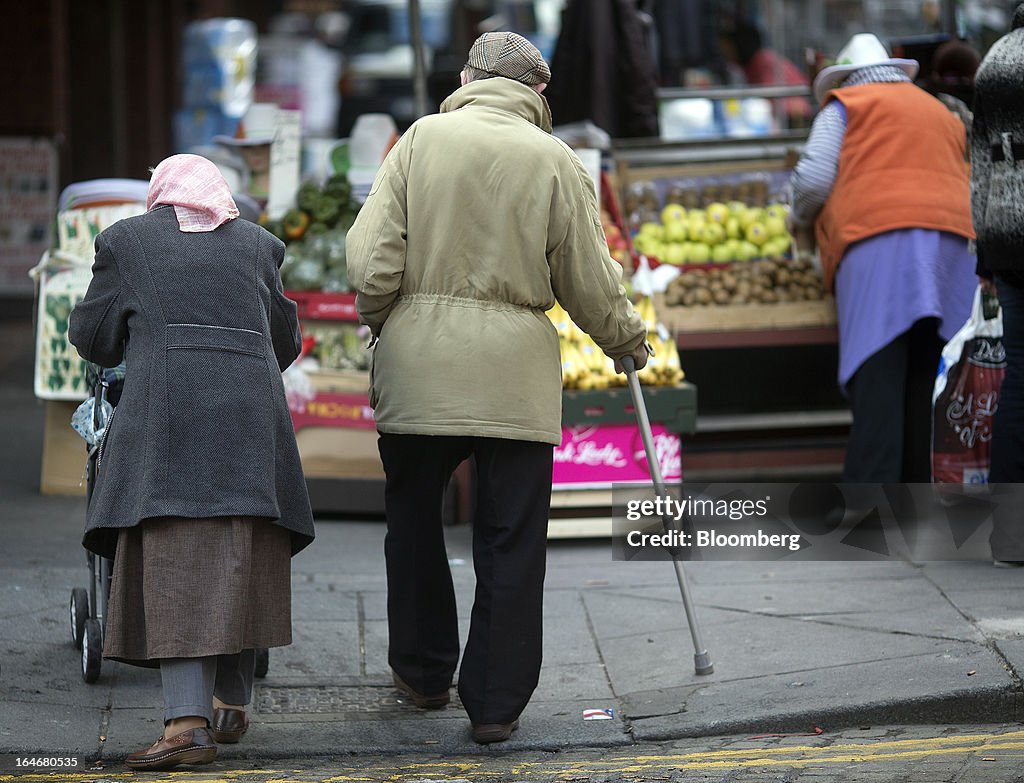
(601, 454)
(332, 409)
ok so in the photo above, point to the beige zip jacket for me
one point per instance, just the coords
(478, 220)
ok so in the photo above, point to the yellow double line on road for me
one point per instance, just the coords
(1009, 744)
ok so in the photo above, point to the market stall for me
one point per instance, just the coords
(755, 330)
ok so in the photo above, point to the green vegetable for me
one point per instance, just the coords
(307, 196)
(337, 186)
(326, 210)
(307, 275)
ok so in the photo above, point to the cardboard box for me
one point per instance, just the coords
(64, 452)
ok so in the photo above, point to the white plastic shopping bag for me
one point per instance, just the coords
(966, 396)
(83, 422)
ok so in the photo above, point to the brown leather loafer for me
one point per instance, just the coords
(486, 733)
(432, 702)
(228, 725)
(192, 746)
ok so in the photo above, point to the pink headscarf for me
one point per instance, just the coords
(197, 190)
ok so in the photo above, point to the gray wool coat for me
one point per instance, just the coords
(997, 179)
(202, 428)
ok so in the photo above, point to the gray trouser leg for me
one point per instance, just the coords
(188, 686)
(233, 684)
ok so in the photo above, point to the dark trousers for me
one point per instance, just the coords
(891, 399)
(1008, 422)
(1007, 453)
(501, 663)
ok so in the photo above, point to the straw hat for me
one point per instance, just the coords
(861, 51)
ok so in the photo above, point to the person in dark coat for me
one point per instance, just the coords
(603, 70)
(997, 202)
(200, 498)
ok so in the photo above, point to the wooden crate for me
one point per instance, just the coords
(345, 381)
(722, 318)
(339, 453)
(580, 513)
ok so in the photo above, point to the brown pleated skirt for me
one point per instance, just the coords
(185, 588)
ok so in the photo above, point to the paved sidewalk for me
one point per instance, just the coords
(795, 646)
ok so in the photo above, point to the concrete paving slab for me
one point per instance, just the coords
(46, 674)
(320, 648)
(322, 602)
(1013, 651)
(575, 682)
(57, 729)
(919, 689)
(764, 646)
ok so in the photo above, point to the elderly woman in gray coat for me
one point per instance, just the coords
(200, 498)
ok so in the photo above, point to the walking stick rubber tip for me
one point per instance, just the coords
(702, 663)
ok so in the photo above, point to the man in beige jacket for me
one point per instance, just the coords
(478, 220)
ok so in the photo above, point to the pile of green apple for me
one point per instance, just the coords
(720, 233)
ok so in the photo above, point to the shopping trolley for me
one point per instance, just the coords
(88, 607)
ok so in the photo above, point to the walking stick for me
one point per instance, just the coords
(701, 658)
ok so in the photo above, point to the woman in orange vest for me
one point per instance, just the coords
(884, 181)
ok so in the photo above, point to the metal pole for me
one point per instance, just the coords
(419, 58)
(701, 657)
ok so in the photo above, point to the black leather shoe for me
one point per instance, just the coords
(427, 702)
(228, 725)
(486, 733)
(192, 746)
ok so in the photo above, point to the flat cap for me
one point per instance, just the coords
(509, 55)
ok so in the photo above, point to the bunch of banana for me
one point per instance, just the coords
(645, 308)
(600, 370)
(663, 368)
(567, 328)
(574, 369)
(584, 365)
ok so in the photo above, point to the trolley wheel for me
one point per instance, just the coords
(262, 662)
(92, 650)
(78, 613)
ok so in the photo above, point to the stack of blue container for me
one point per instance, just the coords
(218, 80)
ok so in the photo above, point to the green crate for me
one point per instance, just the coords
(673, 406)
